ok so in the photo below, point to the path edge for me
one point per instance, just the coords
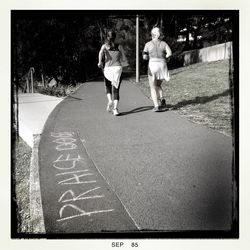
(36, 211)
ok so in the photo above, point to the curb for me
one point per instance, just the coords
(36, 212)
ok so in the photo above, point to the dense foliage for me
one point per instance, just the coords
(65, 45)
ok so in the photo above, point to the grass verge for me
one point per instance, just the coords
(58, 91)
(199, 92)
(21, 176)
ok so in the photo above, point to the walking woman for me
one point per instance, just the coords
(114, 59)
(156, 51)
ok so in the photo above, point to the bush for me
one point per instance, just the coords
(175, 61)
(54, 91)
(58, 91)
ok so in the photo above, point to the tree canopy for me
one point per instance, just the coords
(64, 44)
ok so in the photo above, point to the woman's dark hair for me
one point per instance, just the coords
(111, 35)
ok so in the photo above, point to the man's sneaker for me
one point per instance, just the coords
(109, 106)
(163, 103)
(156, 109)
(115, 112)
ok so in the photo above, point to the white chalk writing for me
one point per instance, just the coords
(72, 173)
(66, 145)
(76, 179)
(62, 134)
(60, 161)
(82, 212)
(79, 197)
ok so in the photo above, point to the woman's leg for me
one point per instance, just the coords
(162, 101)
(116, 95)
(159, 89)
(108, 88)
(154, 91)
(116, 101)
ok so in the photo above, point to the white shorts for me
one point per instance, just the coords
(113, 74)
(158, 69)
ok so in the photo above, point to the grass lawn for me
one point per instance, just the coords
(21, 176)
(199, 92)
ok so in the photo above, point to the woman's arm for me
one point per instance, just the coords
(100, 56)
(168, 51)
(124, 60)
(145, 55)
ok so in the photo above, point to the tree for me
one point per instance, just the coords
(66, 47)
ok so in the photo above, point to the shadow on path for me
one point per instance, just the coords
(196, 100)
(137, 110)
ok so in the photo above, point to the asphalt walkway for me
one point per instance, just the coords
(34, 109)
(138, 171)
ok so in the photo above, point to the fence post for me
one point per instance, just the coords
(31, 79)
(42, 80)
(27, 84)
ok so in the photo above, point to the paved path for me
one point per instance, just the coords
(141, 170)
(34, 109)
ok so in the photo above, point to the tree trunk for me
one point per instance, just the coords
(187, 37)
(195, 39)
(175, 27)
(101, 32)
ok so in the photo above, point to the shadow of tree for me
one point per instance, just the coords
(192, 57)
(183, 69)
(198, 100)
(70, 97)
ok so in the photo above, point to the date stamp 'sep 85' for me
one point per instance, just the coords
(122, 244)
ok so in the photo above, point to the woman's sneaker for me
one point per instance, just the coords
(115, 112)
(109, 106)
(156, 109)
(163, 103)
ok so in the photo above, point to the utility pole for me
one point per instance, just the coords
(137, 50)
